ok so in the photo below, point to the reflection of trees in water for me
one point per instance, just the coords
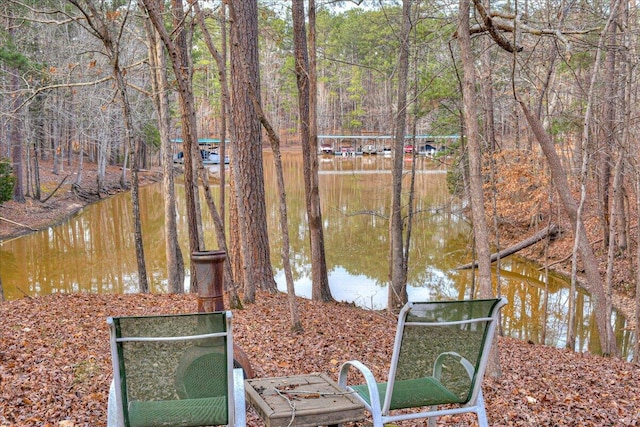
(83, 254)
(94, 251)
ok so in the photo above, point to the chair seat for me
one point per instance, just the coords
(182, 413)
(412, 393)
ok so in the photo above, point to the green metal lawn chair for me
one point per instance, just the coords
(439, 358)
(174, 370)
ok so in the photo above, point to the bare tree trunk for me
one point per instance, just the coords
(125, 165)
(320, 282)
(296, 324)
(607, 135)
(101, 29)
(590, 263)
(224, 110)
(476, 192)
(143, 283)
(178, 50)
(80, 170)
(607, 34)
(619, 194)
(616, 217)
(398, 287)
(321, 290)
(16, 138)
(37, 112)
(56, 138)
(175, 261)
(489, 132)
(218, 217)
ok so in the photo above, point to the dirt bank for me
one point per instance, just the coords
(17, 219)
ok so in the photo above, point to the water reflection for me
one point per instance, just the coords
(94, 251)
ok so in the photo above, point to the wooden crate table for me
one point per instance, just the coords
(310, 400)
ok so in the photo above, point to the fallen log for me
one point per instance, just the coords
(551, 231)
(17, 223)
(56, 189)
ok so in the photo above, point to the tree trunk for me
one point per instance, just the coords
(143, 283)
(590, 263)
(476, 192)
(224, 110)
(296, 324)
(247, 151)
(80, 170)
(96, 21)
(160, 84)
(16, 138)
(616, 217)
(182, 69)
(38, 117)
(608, 133)
(398, 287)
(320, 282)
(218, 217)
(321, 290)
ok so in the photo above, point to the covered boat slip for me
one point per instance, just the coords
(380, 144)
(209, 151)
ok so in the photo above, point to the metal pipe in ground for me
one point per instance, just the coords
(209, 267)
(209, 271)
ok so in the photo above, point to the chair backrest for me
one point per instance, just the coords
(448, 340)
(173, 369)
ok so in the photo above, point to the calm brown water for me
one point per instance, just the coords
(94, 252)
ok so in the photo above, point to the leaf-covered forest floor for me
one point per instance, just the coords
(54, 352)
(55, 363)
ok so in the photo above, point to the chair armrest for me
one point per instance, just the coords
(370, 380)
(437, 367)
(239, 398)
(374, 395)
(366, 373)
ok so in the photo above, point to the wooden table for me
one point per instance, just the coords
(302, 401)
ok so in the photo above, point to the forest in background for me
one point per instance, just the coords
(561, 73)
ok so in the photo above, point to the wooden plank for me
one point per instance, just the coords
(311, 400)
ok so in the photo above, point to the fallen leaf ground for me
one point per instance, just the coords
(55, 363)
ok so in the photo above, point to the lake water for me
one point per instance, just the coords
(94, 252)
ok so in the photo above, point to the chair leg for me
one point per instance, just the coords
(239, 398)
(114, 413)
(431, 421)
(481, 411)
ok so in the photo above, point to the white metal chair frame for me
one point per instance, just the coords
(381, 413)
(235, 376)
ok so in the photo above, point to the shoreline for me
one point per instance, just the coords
(33, 216)
(19, 219)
